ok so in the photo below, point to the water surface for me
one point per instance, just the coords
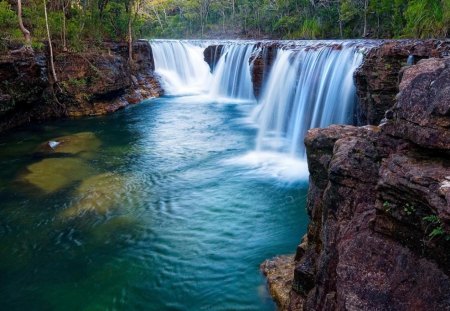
(153, 216)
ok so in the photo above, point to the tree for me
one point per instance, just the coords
(52, 63)
(25, 32)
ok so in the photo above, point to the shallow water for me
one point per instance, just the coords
(158, 216)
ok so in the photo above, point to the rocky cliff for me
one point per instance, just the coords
(89, 83)
(377, 79)
(379, 205)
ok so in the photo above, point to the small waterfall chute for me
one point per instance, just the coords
(181, 66)
(231, 76)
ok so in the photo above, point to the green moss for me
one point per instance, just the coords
(51, 175)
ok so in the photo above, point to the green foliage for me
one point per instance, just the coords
(387, 206)
(83, 23)
(310, 29)
(8, 17)
(9, 32)
(437, 228)
(433, 219)
(37, 46)
(427, 18)
(409, 209)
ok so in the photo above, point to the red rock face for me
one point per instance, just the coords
(377, 79)
(379, 204)
(260, 64)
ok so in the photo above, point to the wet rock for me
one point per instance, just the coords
(212, 55)
(89, 83)
(422, 112)
(279, 277)
(83, 144)
(260, 64)
(97, 194)
(53, 174)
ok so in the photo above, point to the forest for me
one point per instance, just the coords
(72, 23)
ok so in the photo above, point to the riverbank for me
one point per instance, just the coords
(93, 82)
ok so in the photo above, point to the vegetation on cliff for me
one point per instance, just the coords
(71, 23)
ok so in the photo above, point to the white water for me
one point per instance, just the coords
(181, 66)
(232, 77)
(307, 88)
(183, 70)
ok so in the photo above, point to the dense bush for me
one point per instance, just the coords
(79, 21)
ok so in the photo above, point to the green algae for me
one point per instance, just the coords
(53, 174)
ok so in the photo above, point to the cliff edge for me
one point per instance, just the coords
(93, 82)
(379, 205)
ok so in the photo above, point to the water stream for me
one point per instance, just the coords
(174, 203)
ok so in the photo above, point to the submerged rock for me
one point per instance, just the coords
(83, 144)
(53, 174)
(111, 231)
(97, 194)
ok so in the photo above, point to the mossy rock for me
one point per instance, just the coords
(97, 194)
(83, 144)
(113, 228)
(53, 174)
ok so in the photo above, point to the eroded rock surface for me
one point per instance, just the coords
(379, 204)
(260, 65)
(377, 78)
(89, 83)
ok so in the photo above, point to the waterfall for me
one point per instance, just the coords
(231, 76)
(181, 66)
(309, 87)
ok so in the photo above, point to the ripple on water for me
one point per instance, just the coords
(170, 217)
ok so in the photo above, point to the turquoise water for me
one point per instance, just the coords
(147, 212)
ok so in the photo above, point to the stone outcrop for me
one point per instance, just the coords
(212, 55)
(260, 64)
(379, 204)
(261, 61)
(89, 83)
(377, 78)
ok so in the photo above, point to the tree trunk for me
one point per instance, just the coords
(223, 20)
(157, 17)
(366, 7)
(130, 41)
(341, 31)
(64, 28)
(25, 32)
(52, 64)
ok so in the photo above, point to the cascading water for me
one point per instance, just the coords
(232, 76)
(181, 66)
(309, 85)
(307, 88)
(183, 70)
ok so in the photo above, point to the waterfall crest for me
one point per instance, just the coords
(307, 88)
(181, 66)
(231, 76)
(307, 84)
